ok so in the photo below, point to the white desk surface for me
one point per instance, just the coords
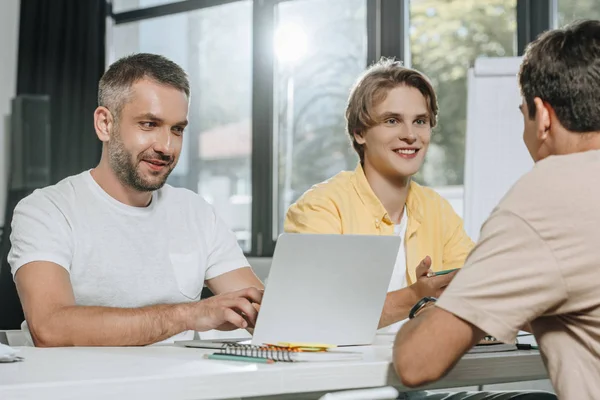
(172, 372)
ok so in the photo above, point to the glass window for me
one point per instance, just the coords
(445, 40)
(128, 5)
(572, 10)
(320, 49)
(215, 159)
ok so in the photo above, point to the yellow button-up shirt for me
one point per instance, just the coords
(346, 204)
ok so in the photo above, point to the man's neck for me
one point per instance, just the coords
(392, 193)
(581, 142)
(108, 181)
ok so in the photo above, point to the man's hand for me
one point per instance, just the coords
(398, 303)
(226, 311)
(429, 286)
(55, 320)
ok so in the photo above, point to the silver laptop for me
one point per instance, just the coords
(326, 289)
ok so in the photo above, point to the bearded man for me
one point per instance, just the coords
(113, 256)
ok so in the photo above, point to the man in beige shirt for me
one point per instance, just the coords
(537, 263)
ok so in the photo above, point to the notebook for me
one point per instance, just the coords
(489, 344)
(281, 352)
(493, 348)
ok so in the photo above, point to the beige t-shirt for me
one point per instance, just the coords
(538, 261)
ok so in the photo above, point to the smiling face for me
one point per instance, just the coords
(397, 145)
(144, 146)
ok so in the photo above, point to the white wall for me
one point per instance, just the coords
(495, 154)
(9, 36)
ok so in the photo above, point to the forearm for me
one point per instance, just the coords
(107, 326)
(428, 346)
(397, 306)
(237, 279)
(413, 361)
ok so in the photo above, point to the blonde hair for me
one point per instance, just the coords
(372, 88)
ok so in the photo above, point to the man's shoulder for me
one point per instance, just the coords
(427, 199)
(60, 195)
(554, 182)
(424, 193)
(330, 189)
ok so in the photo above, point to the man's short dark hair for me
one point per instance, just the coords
(115, 84)
(562, 67)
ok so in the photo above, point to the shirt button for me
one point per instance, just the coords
(377, 223)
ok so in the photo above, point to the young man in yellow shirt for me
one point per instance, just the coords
(390, 114)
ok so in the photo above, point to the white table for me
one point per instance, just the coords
(171, 372)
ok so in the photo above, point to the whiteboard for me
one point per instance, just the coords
(496, 156)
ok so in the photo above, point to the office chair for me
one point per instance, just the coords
(11, 312)
(29, 169)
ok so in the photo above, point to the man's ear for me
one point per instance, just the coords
(542, 118)
(103, 123)
(359, 137)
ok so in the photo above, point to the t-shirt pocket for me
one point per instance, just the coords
(186, 267)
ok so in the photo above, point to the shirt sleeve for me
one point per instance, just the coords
(312, 214)
(225, 254)
(509, 279)
(457, 244)
(40, 231)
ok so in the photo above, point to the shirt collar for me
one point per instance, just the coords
(372, 202)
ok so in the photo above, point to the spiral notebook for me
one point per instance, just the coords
(273, 352)
(493, 348)
(489, 344)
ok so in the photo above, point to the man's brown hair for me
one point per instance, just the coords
(372, 88)
(115, 84)
(562, 67)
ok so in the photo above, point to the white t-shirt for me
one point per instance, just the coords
(398, 280)
(123, 256)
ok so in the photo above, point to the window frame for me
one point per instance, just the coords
(388, 24)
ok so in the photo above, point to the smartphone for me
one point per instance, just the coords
(444, 272)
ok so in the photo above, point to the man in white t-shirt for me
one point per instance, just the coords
(113, 256)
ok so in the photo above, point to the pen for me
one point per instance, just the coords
(229, 357)
(441, 272)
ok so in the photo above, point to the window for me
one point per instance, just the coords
(572, 10)
(215, 160)
(445, 40)
(298, 60)
(128, 5)
(320, 49)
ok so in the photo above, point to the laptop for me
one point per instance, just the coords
(325, 289)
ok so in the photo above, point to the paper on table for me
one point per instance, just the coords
(8, 354)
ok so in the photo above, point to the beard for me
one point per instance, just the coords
(125, 165)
